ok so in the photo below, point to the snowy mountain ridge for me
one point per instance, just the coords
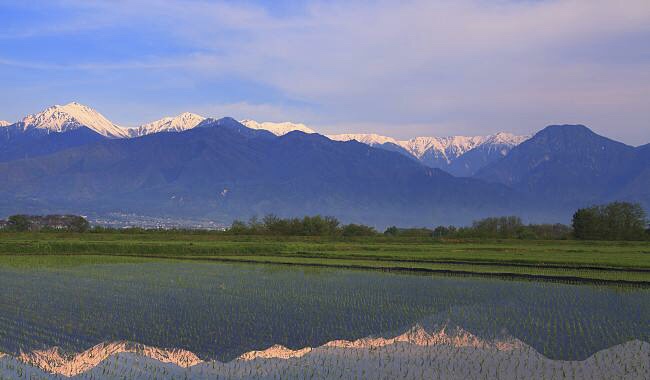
(277, 129)
(73, 115)
(69, 117)
(371, 139)
(180, 123)
(436, 152)
(447, 148)
(4, 123)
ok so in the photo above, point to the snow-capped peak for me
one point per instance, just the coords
(182, 122)
(366, 138)
(505, 138)
(4, 123)
(70, 117)
(447, 147)
(277, 129)
(437, 150)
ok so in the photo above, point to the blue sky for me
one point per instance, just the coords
(400, 68)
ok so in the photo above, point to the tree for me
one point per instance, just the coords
(586, 223)
(624, 221)
(78, 224)
(613, 221)
(498, 227)
(357, 230)
(391, 231)
(238, 228)
(19, 223)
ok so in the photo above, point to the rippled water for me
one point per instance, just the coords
(219, 311)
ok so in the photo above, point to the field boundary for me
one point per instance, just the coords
(340, 265)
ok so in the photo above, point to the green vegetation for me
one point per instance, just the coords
(505, 227)
(502, 246)
(307, 226)
(613, 221)
(568, 259)
(22, 223)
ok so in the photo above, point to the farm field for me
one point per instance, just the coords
(569, 260)
(113, 317)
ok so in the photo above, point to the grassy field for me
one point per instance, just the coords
(571, 260)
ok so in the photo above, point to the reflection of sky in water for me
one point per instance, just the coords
(222, 310)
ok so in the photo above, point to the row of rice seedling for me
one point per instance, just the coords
(219, 311)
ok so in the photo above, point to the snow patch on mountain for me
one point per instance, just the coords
(180, 123)
(371, 139)
(449, 147)
(277, 129)
(70, 117)
(440, 151)
(431, 150)
(4, 123)
(505, 139)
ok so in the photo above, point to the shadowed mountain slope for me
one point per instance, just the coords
(571, 165)
(15, 143)
(222, 169)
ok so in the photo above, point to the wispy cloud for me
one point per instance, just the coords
(467, 66)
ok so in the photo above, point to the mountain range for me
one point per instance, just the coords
(458, 155)
(72, 159)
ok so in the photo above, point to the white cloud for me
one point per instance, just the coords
(465, 66)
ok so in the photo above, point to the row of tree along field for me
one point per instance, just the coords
(21, 223)
(613, 221)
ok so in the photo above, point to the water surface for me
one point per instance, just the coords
(220, 311)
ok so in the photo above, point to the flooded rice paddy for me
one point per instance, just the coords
(117, 318)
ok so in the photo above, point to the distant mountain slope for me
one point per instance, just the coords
(223, 170)
(277, 129)
(4, 123)
(182, 122)
(636, 187)
(570, 164)
(493, 148)
(435, 152)
(54, 129)
(432, 151)
(15, 143)
(71, 117)
(447, 153)
(61, 127)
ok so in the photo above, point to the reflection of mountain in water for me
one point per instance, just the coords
(181, 304)
(415, 354)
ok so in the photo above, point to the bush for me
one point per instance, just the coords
(442, 231)
(306, 226)
(505, 227)
(408, 232)
(357, 230)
